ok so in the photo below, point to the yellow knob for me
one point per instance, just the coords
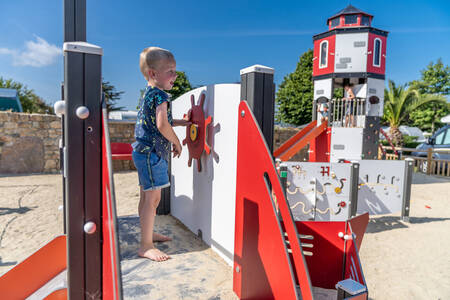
(193, 132)
(338, 190)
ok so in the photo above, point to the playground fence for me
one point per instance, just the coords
(342, 109)
(439, 167)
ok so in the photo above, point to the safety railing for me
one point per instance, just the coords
(348, 112)
(427, 163)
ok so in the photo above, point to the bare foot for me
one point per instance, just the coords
(160, 238)
(153, 254)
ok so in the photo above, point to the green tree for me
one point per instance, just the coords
(435, 79)
(31, 103)
(111, 96)
(399, 102)
(294, 97)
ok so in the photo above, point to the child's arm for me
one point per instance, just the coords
(166, 129)
(182, 122)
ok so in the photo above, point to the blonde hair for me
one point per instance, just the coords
(150, 58)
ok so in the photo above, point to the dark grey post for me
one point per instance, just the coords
(74, 20)
(83, 168)
(258, 89)
(61, 160)
(354, 185)
(164, 205)
(407, 189)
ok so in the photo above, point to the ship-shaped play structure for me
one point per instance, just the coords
(236, 198)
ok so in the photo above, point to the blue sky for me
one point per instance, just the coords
(211, 40)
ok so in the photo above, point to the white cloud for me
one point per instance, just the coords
(37, 53)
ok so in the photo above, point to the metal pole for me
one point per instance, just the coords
(407, 189)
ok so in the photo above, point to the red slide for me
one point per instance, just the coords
(299, 140)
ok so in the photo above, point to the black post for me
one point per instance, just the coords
(407, 189)
(83, 164)
(354, 187)
(82, 155)
(74, 20)
(258, 89)
(61, 160)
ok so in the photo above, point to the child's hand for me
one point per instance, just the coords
(176, 149)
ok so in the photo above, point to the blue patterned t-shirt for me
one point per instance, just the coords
(148, 137)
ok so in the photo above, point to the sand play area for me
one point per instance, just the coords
(400, 260)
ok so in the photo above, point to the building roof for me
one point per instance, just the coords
(9, 100)
(349, 10)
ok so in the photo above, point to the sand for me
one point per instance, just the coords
(401, 260)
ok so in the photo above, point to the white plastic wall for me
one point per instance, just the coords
(351, 53)
(375, 87)
(323, 88)
(346, 143)
(205, 200)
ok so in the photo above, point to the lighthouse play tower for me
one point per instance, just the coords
(348, 72)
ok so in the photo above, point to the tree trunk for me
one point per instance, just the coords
(396, 136)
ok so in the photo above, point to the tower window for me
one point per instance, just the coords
(351, 19)
(365, 21)
(335, 22)
(377, 52)
(323, 59)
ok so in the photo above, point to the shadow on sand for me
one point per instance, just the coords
(391, 222)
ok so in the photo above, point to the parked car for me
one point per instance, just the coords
(439, 140)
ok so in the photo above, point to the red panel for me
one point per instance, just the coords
(370, 67)
(121, 151)
(320, 147)
(353, 269)
(331, 51)
(262, 268)
(35, 271)
(325, 265)
(358, 226)
(110, 252)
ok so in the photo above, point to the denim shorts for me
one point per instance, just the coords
(152, 170)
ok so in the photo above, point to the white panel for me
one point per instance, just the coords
(346, 143)
(206, 201)
(323, 88)
(351, 53)
(360, 90)
(375, 87)
(381, 186)
(318, 190)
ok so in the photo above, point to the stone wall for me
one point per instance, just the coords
(29, 143)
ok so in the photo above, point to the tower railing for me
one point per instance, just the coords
(348, 112)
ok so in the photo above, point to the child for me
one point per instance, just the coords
(323, 110)
(349, 98)
(154, 135)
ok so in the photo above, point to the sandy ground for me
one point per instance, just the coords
(401, 260)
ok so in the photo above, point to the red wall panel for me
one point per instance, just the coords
(331, 48)
(370, 53)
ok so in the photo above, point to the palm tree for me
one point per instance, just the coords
(399, 102)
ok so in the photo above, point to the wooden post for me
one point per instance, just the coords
(429, 159)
